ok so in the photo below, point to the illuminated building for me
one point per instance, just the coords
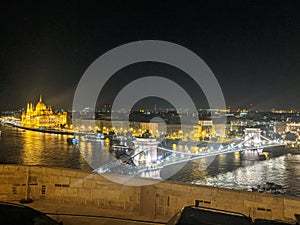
(293, 128)
(205, 128)
(42, 116)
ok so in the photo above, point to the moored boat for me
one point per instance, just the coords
(94, 138)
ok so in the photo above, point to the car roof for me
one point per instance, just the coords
(17, 214)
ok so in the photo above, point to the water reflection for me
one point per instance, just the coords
(272, 170)
(18, 146)
(33, 148)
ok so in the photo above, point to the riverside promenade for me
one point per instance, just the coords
(72, 195)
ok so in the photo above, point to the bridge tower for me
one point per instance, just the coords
(149, 147)
(253, 135)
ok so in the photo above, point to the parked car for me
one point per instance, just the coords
(195, 215)
(198, 215)
(269, 222)
(16, 214)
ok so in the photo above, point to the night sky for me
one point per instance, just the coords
(253, 48)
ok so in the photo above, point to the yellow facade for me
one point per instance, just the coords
(43, 116)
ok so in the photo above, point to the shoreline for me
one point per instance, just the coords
(293, 151)
(41, 130)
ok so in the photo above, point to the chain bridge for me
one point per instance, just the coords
(149, 156)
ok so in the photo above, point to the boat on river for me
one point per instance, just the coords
(94, 137)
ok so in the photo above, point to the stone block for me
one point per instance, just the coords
(68, 173)
(292, 202)
(88, 183)
(101, 186)
(38, 170)
(275, 213)
(179, 187)
(104, 178)
(291, 207)
(54, 179)
(5, 189)
(82, 175)
(64, 180)
(98, 194)
(76, 182)
(115, 204)
(163, 185)
(16, 180)
(60, 191)
(84, 193)
(43, 179)
(53, 171)
(50, 189)
(289, 211)
(72, 192)
(3, 179)
(112, 195)
(3, 197)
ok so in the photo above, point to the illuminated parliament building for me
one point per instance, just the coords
(42, 116)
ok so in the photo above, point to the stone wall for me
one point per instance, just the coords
(156, 202)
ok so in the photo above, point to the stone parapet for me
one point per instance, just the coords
(156, 202)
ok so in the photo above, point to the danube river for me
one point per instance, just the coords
(18, 146)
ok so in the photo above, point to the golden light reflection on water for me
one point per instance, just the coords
(221, 158)
(236, 155)
(32, 148)
(86, 149)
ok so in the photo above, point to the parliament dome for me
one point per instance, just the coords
(40, 105)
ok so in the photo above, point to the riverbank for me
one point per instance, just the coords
(293, 148)
(293, 151)
(40, 129)
(44, 130)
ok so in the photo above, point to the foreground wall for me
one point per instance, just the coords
(153, 202)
